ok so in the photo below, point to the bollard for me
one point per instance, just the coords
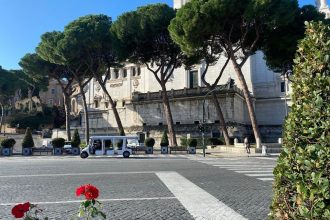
(264, 150)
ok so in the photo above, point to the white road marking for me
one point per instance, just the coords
(101, 200)
(266, 179)
(267, 158)
(233, 165)
(77, 174)
(254, 171)
(200, 204)
(261, 174)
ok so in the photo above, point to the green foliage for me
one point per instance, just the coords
(149, 142)
(28, 140)
(32, 121)
(192, 142)
(216, 141)
(280, 44)
(8, 143)
(183, 141)
(142, 35)
(75, 142)
(302, 175)
(164, 141)
(58, 142)
(83, 145)
(228, 22)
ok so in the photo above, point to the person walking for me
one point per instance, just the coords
(247, 145)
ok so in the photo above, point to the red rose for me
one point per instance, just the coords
(90, 191)
(80, 191)
(26, 207)
(19, 210)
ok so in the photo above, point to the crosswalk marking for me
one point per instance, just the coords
(251, 166)
(260, 174)
(259, 169)
(266, 179)
(253, 171)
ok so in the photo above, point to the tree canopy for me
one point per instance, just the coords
(142, 37)
(237, 28)
(280, 44)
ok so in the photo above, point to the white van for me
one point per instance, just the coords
(108, 145)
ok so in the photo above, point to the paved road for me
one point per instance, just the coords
(173, 187)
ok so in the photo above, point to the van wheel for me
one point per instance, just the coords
(84, 155)
(126, 154)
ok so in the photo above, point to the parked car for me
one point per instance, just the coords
(47, 143)
(68, 147)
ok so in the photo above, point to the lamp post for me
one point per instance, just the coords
(202, 129)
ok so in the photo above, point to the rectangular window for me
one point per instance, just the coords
(216, 122)
(53, 91)
(116, 73)
(124, 73)
(138, 71)
(133, 71)
(282, 86)
(196, 122)
(96, 103)
(160, 123)
(177, 123)
(193, 79)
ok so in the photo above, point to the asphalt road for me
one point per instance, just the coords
(141, 188)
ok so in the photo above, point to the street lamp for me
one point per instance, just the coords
(202, 128)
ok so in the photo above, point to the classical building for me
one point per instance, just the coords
(52, 97)
(138, 100)
(323, 7)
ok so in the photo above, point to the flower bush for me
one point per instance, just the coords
(27, 210)
(89, 209)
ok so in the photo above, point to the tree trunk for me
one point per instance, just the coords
(248, 101)
(168, 116)
(82, 93)
(67, 108)
(223, 127)
(113, 106)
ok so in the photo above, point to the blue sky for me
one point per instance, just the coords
(22, 22)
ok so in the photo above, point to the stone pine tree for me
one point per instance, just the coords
(302, 175)
(33, 63)
(280, 44)
(28, 140)
(75, 142)
(91, 35)
(142, 37)
(237, 27)
(55, 47)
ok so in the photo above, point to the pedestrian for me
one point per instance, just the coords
(247, 145)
